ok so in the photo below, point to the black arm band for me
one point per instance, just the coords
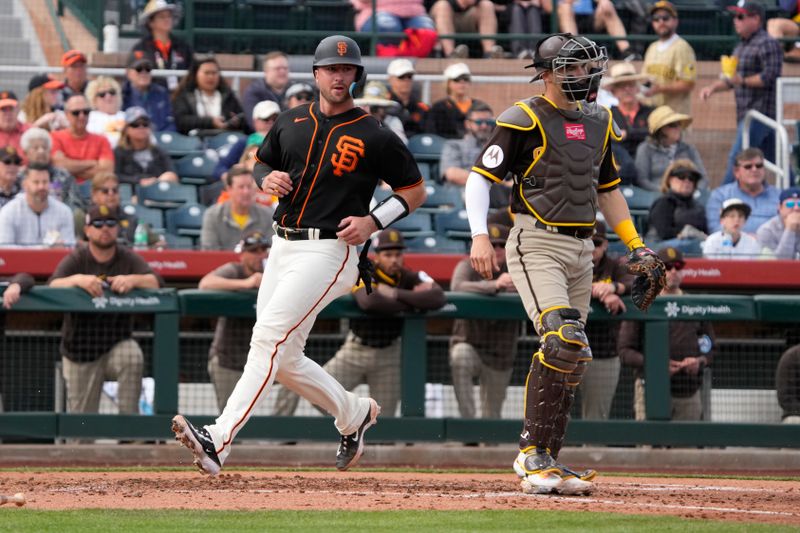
(389, 210)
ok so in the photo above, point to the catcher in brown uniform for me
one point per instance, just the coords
(557, 147)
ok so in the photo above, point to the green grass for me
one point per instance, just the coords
(118, 521)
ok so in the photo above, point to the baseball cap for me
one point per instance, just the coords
(400, 67)
(671, 257)
(456, 70)
(389, 239)
(666, 6)
(299, 88)
(44, 80)
(137, 58)
(132, 114)
(8, 98)
(252, 240)
(100, 212)
(10, 156)
(748, 7)
(265, 109)
(791, 192)
(498, 233)
(71, 57)
(734, 203)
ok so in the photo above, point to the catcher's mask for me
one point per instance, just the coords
(560, 53)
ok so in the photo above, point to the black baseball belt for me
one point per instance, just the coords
(579, 232)
(303, 234)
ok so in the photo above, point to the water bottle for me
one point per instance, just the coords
(727, 244)
(140, 237)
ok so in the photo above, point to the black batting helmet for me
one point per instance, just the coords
(341, 50)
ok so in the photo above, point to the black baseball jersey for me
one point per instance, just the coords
(517, 148)
(334, 162)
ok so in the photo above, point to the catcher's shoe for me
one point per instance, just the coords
(351, 448)
(199, 442)
(576, 483)
(539, 473)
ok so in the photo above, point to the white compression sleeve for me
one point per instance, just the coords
(476, 196)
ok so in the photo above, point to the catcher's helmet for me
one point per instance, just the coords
(556, 52)
(340, 50)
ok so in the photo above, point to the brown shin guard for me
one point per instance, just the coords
(562, 419)
(544, 395)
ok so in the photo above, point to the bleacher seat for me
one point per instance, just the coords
(427, 148)
(436, 244)
(147, 215)
(424, 170)
(381, 194)
(415, 225)
(442, 198)
(196, 169)
(179, 242)
(178, 145)
(224, 139)
(166, 194)
(125, 193)
(453, 225)
(208, 194)
(186, 220)
(639, 202)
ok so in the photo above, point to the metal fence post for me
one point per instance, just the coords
(165, 362)
(413, 371)
(658, 399)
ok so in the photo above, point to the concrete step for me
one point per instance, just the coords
(10, 27)
(14, 50)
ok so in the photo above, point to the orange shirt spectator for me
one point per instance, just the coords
(82, 153)
(11, 129)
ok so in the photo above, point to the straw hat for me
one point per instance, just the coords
(376, 94)
(623, 72)
(664, 115)
(157, 6)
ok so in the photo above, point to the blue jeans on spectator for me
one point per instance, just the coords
(761, 136)
(389, 23)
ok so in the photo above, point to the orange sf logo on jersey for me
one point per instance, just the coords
(341, 48)
(346, 159)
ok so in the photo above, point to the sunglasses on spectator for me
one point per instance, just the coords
(406, 77)
(140, 124)
(462, 78)
(791, 204)
(662, 18)
(102, 94)
(143, 68)
(77, 112)
(751, 166)
(686, 176)
(675, 265)
(108, 222)
(484, 122)
(109, 190)
(12, 161)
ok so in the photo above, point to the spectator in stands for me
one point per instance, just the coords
(75, 74)
(446, 117)
(271, 87)
(37, 145)
(11, 129)
(140, 91)
(610, 281)
(159, 45)
(781, 233)
(466, 16)
(787, 385)
(526, 17)
(458, 155)
(228, 352)
(204, 101)
(105, 192)
(391, 16)
(676, 218)
(670, 61)
(663, 146)
(582, 16)
(371, 352)
(224, 223)
(730, 242)
(10, 162)
(483, 349)
(39, 109)
(81, 153)
(137, 160)
(629, 114)
(751, 187)
(375, 101)
(264, 116)
(298, 94)
(106, 118)
(691, 350)
(759, 60)
(96, 347)
(787, 28)
(34, 218)
(412, 112)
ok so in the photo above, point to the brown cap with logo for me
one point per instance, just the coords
(100, 212)
(389, 239)
(498, 234)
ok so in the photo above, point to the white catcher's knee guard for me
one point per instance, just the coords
(555, 370)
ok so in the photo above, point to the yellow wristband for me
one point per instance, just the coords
(628, 234)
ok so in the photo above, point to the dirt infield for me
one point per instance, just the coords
(731, 500)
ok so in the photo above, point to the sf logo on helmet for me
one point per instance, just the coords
(350, 149)
(341, 48)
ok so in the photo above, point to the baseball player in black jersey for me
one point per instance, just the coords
(323, 160)
(557, 147)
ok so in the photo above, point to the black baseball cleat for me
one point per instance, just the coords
(199, 442)
(351, 448)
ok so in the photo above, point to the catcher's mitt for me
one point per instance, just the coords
(650, 275)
